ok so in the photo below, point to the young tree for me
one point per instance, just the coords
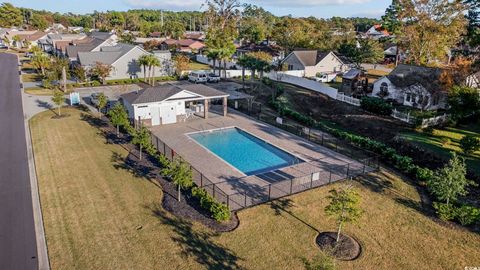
(450, 182)
(463, 102)
(58, 99)
(41, 62)
(118, 116)
(127, 38)
(344, 207)
(473, 17)
(153, 64)
(102, 102)
(79, 73)
(367, 51)
(470, 144)
(151, 45)
(18, 41)
(181, 63)
(142, 139)
(180, 174)
(101, 71)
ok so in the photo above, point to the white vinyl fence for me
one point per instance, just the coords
(204, 60)
(305, 83)
(349, 100)
(427, 122)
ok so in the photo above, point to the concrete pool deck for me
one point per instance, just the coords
(327, 165)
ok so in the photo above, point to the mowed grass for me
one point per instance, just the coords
(93, 212)
(33, 77)
(38, 91)
(193, 65)
(444, 141)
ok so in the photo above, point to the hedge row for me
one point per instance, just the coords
(464, 214)
(403, 163)
(120, 82)
(218, 211)
(376, 105)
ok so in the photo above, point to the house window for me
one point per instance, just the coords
(145, 106)
(409, 97)
(290, 67)
(383, 89)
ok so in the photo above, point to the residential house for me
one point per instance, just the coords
(26, 37)
(75, 29)
(183, 45)
(94, 42)
(195, 35)
(57, 27)
(48, 43)
(377, 32)
(124, 61)
(270, 47)
(313, 62)
(171, 103)
(474, 80)
(413, 86)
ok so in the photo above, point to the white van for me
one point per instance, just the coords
(198, 77)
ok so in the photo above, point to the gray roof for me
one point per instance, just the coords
(74, 50)
(106, 55)
(163, 92)
(352, 73)
(100, 35)
(408, 75)
(312, 57)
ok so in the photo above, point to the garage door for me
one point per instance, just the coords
(168, 113)
(155, 112)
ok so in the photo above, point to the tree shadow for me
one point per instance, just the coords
(197, 244)
(93, 121)
(283, 206)
(131, 165)
(376, 183)
(44, 104)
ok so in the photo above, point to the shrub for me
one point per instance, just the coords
(95, 83)
(376, 105)
(470, 144)
(267, 81)
(423, 174)
(220, 211)
(444, 211)
(467, 215)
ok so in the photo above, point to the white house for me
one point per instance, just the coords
(313, 62)
(124, 61)
(171, 103)
(412, 86)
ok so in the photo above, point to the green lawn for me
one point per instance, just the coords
(31, 77)
(98, 215)
(444, 141)
(198, 66)
(38, 91)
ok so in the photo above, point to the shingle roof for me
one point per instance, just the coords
(74, 50)
(162, 92)
(407, 75)
(311, 57)
(100, 35)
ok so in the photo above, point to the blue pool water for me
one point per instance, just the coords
(244, 151)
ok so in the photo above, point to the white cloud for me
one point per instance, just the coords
(167, 5)
(377, 13)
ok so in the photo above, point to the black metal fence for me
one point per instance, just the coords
(280, 185)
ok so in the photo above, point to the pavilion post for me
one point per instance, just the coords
(225, 106)
(205, 110)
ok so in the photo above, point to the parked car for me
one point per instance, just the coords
(198, 77)
(3, 46)
(213, 78)
(325, 77)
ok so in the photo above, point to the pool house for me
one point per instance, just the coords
(172, 103)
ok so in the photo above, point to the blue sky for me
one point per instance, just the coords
(299, 8)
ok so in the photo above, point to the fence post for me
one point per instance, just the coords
(201, 180)
(228, 201)
(156, 138)
(164, 149)
(291, 186)
(311, 180)
(348, 168)
(245, 199)
(330, 177)
(322, 137)
(336, 145)
(213, 190)
(269, 190)
(364, 165)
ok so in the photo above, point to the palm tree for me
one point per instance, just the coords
(41, 62)
(245, 62)
(143, 61)
(154, 62)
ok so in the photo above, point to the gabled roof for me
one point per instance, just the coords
(86, 45)
(408, 75)
(100, 35)
(107, 55)
(352, 73)
(312, 57)
(163, 92)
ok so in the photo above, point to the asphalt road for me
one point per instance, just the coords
(18, 248)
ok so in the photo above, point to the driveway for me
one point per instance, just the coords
(18, 248)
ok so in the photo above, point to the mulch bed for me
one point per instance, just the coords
(347, 248)
(188, 207)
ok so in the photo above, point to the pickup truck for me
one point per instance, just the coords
(213, 78)
(325, 77)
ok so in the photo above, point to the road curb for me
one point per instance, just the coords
(42, 252)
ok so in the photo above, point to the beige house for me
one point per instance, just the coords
(314, 62)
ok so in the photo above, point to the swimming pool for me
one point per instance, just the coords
(244, 151)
